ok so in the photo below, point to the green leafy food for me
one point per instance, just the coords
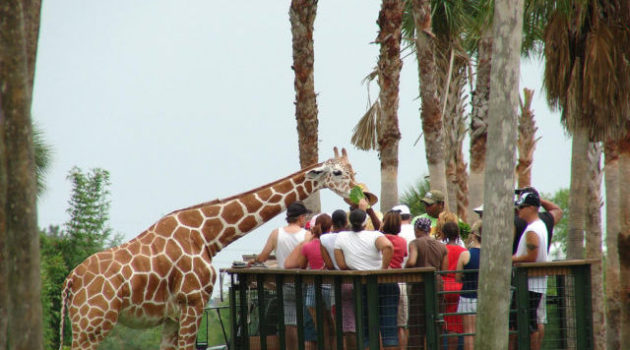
(356, 194)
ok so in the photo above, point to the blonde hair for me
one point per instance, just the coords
(476, 230)
(443, 218)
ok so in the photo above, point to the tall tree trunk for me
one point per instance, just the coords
(623, 240)
(4, 238)
(577, 194)
(431, 118)
(389, 66)
(452, 76)
(302, 16)
(479, 123)
(594, 243)
(495, 269)
(461, 174)
(21, 236)
(526, 140)
(613, 306)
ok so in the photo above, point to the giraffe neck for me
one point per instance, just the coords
(225, 220)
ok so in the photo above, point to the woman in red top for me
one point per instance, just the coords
(453, 322)
(392, 311)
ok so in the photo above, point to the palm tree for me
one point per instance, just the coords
(587, 75)
(449, 41)
(526, 140)
(378, 128)
(432, 124)
(389, 66)
(20, 305)
(479, 121)
(495, 269)
(623, 241)
(302, 16)
(451, 22)
(594, 243)
(613, 307)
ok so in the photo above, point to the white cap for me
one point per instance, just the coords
(403, 209)
(479, 209)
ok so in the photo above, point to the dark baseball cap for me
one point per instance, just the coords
(296, 209)
(528, 198)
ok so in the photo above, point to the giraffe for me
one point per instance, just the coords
(165, 275)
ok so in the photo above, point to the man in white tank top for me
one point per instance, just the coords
(283, 240)
(532, 247)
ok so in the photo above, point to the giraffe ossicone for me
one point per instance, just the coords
(165, 275)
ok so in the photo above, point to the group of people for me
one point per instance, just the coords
(361, 239)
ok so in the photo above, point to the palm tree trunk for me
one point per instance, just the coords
(389, 66)
(302, 16)
(577, 196)
(526, 141)
(431, 118)
(594, 243)
(20, 232)
(455, 132)
(495, 269)
(4, 240)
(613, 306)
(479, 123)
(623, 240)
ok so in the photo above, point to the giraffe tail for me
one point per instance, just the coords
(65, 295)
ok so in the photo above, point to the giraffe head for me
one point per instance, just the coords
(335, 174)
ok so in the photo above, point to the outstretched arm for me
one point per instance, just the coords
(269, 247)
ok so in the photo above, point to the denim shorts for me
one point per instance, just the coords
(327, 295)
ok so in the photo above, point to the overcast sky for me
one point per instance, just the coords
(185, 102)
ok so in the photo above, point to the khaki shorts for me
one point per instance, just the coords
(403, 306)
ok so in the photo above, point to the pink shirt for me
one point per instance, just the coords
(312, 251)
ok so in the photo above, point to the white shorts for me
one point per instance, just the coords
(467, 304)
(541, 312)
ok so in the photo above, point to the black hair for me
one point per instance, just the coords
(339, 220)
(357, 220)
(451, 231)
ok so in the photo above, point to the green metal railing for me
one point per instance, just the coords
(246, 282)
(257, 293)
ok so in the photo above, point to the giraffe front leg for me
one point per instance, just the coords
(189, 321)
(169, 335)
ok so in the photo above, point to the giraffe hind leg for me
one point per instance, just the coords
(169, 335)
(87, 334)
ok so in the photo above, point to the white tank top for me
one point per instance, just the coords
(286, 243)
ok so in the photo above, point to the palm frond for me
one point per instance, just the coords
(558, 60)
(364, 135)
(43, 156)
